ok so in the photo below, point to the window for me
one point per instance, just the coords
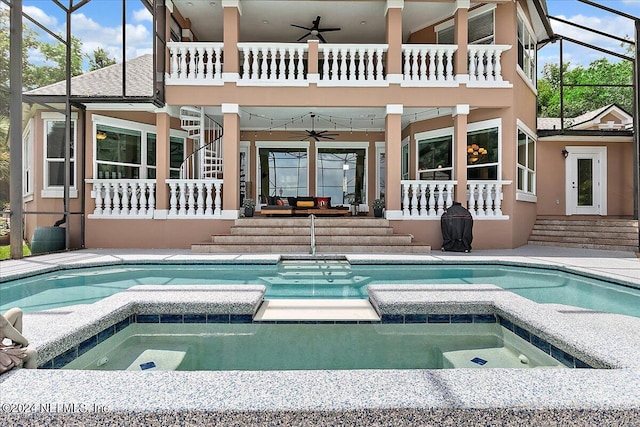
(435, 158)
(381, 170)
(436, 152)
(526, 49)
(27, 161)
(54, 128)
(127, 150)
(526, 163)
(283, 172)
(482, 153)
(341, 175)
(405, 160)
(176, 156)
(480, 27)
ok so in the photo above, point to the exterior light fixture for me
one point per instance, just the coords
(565, 153)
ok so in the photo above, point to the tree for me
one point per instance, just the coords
(581, 99)
(56, 53)
(28, 42)
(99, 59)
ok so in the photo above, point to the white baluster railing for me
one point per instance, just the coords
(423, 199)
(428, 64)
(356, 65)
(195, 63)
(484, 64)
(123, 198)
(426, 199)
(484, 199)
(272, 63)
(194, 198)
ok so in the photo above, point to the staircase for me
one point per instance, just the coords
(293, 235)
(599, 233)
(206, 159)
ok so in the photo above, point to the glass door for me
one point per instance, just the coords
(586, 181)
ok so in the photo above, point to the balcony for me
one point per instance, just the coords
(355, 65)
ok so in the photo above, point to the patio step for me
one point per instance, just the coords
(292, 235)
(598, 233)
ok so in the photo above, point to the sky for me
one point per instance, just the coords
(590, 17)
(98, 24)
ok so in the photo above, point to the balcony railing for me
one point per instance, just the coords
(428, 64)
(273, 63)
(358, 64)
(195, 63)
(123, 198)
(485, 68)
(423, 199)
(286, 64)
(195, 198)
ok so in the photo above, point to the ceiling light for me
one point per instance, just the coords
(363, 22)
(264, 21)
(189, 3)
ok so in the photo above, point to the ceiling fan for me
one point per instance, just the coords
(323, 134)
(315, 30)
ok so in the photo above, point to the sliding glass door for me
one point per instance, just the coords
(282, 172)
(341, 174)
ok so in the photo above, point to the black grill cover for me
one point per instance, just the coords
(457, 229)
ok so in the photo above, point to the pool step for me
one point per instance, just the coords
(316, 310)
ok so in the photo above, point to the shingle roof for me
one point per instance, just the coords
(107, 81)
(553, 123)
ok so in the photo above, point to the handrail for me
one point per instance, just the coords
(313, 235)
(202, 147)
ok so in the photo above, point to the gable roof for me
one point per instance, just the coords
(591, 120)
(107, 81)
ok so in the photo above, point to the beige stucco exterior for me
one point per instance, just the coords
(511, 101)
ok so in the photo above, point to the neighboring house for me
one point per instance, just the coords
(423, 103)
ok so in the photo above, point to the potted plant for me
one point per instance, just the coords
(249, 206)
(378, 206)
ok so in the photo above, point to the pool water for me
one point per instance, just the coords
(316, 279)
(262, 347)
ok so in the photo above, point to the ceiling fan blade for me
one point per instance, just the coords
(328, 137)
(300, 26)
(304, 37)
(322, 30)
(321, 38)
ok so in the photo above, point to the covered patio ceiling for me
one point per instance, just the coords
(361, 21)
(341, 119)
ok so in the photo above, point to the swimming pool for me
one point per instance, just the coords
(316, 279)
(224, 347)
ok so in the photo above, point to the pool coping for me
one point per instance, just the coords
(358, 397)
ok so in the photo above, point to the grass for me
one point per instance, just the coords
(5, 251)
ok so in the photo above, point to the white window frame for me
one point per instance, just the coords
(380, 150)
(405, 143)
(529, 76)
(488, 124)
(526, 195)
(354, 145)
(436, 133)
(27, 162)
(144, 129)
(57, 191)
(472, 14)
(471, 127)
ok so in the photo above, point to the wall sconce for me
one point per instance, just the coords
(100, 135)
(565, 153)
